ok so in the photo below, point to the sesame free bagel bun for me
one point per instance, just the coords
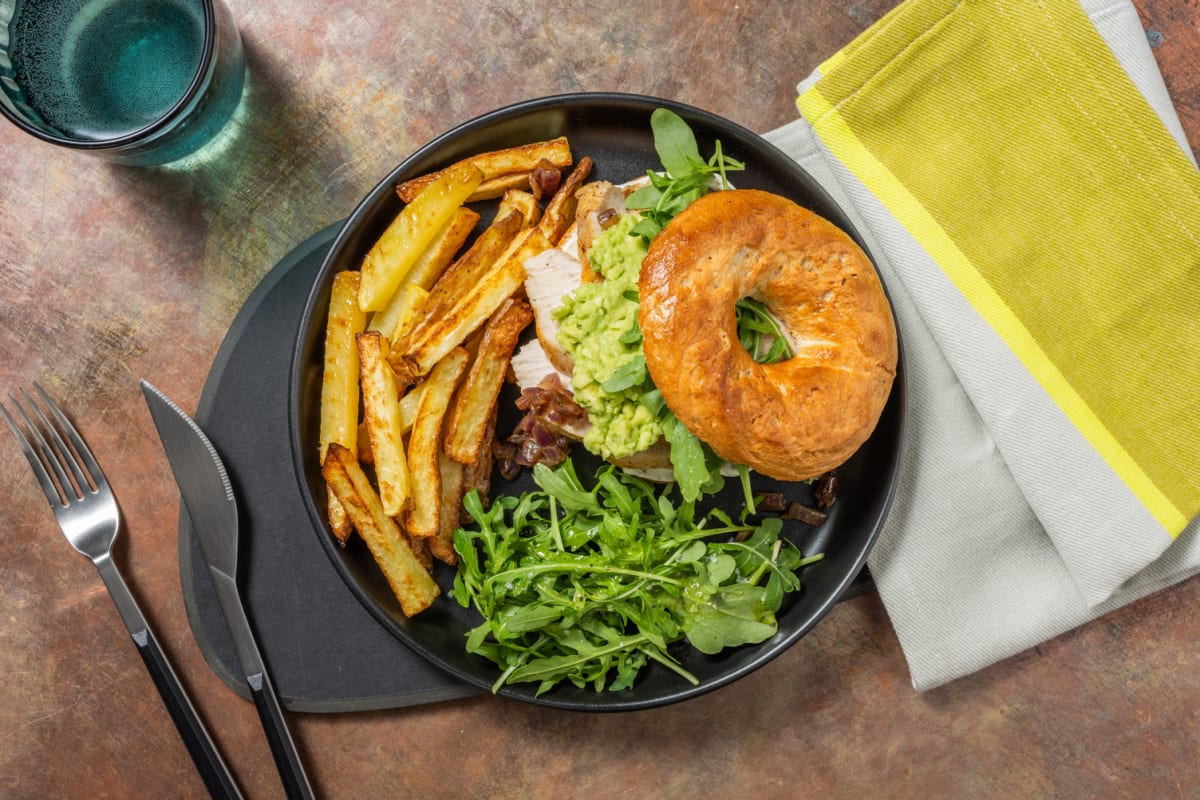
(797, 418)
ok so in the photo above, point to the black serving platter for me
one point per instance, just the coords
(614, 130)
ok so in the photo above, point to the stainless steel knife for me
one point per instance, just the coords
(211, 506)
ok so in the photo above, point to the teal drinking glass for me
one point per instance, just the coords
(140, 82)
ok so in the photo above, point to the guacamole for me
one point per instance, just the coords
(598, 326)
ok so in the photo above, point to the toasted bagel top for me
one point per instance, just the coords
(797, 418)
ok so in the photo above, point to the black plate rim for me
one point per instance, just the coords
(897, 408)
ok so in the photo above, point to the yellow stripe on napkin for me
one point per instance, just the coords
(1071, 225)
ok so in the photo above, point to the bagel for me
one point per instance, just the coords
(795, 419)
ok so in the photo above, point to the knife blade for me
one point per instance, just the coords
(212, 507)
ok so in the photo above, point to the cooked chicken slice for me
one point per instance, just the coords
(549, 276)
(598, 202)
(569, 243)
(653, 463)
(530, 366)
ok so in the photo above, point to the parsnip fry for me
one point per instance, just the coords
(339, 382)
(443, 334)
(381, 408)
(523, 158)
(411, 582)
(560, 211)
(410, 234)
(425, 442)
(466, 426)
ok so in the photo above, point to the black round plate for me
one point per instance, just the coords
(614, 130)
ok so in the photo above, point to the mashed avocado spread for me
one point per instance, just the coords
(598, 326)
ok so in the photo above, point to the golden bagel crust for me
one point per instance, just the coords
(795, 419)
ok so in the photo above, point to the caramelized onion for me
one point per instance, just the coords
(544, 179)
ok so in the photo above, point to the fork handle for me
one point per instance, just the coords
(212, 768)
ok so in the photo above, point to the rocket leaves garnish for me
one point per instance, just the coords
(590, 585)
(686, 177)
(760, 333)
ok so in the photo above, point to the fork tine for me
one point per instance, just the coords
(27, 447)
(95, 476)
(54, 451)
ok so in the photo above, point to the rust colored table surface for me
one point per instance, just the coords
(109, 274)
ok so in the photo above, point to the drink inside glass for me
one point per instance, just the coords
(137, 81)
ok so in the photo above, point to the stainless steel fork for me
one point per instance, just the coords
(87, 512)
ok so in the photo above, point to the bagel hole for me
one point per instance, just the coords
(762, 334)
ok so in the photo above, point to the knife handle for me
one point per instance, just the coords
(209, 763)
(287, 760)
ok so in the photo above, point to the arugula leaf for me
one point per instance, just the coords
(674, 142)
(564, 486)
(633, 335)
(760, 333)
(686, 176)
(736, 616)
(591, 584)
(687, 458)
(630, 374)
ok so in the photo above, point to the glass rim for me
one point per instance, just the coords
(207, 53)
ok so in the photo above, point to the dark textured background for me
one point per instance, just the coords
(109, 274)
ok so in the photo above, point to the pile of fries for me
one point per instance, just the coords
(420, 340)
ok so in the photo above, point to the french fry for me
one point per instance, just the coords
(365, 456)
(411, 232)
(523, 203)
(478, 477)
(411, 582)
(409, 404)
(445, 247)
(475, 402)
(441, 544)
(424, 444)
(402, 313)
(339, 382)
(560, 211)
(491, 188)
(523, 158)
(445, 333)
(420, 550)
(472, 265)
(381, 408)
(420, 338)
(408, 412)
(466, 272)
